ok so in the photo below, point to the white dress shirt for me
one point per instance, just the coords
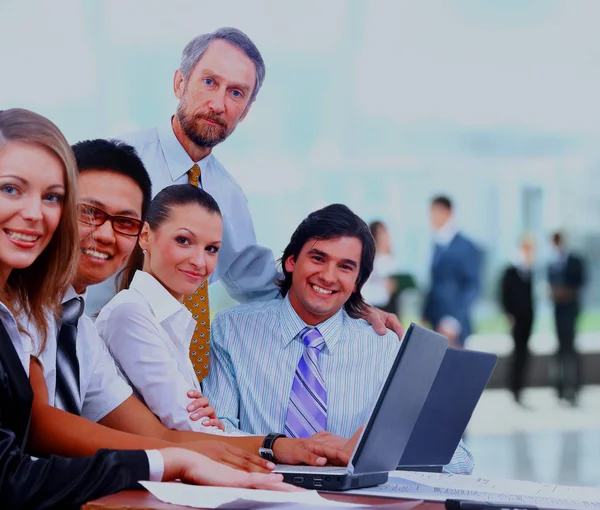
(446, 233)
(23, 346)
(148, 332)
(246, 269)
(21, 342)
(102, 389)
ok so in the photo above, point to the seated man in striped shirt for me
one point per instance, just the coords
(306, 363)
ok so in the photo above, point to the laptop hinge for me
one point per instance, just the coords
(350, 468)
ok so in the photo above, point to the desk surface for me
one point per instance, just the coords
(143, 500)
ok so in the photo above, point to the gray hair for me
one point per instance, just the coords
(196, 48)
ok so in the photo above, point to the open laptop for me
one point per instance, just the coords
(460, 381)
(392, 420)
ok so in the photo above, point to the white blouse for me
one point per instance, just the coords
(21, 341)
(148, 333)
(374, 290)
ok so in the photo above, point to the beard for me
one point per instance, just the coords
(203, 135)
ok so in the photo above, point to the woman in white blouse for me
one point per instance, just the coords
(146, 327)
(379, 288)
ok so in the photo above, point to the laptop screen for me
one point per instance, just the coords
(400, 401)
(454, 395)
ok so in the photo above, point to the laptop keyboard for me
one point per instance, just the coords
(329, 470)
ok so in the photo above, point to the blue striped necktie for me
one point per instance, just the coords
(307, 409)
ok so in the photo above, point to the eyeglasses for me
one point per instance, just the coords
(125, 225)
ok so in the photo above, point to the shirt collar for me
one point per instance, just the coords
(70, 294)
(178, 160)
(163, 304)
(446, 233)
(6, 313)
(292, 324)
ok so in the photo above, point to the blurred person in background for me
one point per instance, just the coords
(380, 289)
(566, 276)
(455, 276)
(516, 296)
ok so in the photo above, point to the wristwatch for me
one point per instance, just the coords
(266, 450)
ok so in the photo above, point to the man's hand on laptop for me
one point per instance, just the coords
(339, 442)
(382, 321)
(329, 439)
(200, 409)
(307, 451)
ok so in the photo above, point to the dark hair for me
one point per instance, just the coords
(442, 201)
(557, 239)
(332, 222)
(374, 226)
(115, 156)
(159, 212)
(197, 47)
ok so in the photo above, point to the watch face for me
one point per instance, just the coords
(266, 453)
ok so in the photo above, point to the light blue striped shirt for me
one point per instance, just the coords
(255, 349)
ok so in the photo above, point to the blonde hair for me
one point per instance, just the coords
(37, 290)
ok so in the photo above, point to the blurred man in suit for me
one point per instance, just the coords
(566, 276)
(455, 278)
(517, 302)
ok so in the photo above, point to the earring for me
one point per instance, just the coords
(144, 252)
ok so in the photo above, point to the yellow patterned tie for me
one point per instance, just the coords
(197, 303)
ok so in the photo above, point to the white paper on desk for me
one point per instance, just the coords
(197, 496)
(242, 504)
(442, 486)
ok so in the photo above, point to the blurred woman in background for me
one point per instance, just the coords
(380, 290)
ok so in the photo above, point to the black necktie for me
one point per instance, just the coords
(68, 395)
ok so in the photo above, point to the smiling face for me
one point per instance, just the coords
(32, 191)
(104, 251)
(216, 95)
(183, 251)
(324, 277)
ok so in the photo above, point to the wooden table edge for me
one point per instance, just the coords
(144, 500)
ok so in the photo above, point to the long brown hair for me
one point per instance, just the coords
(37, 290)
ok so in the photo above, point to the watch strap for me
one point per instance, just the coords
(266, 451)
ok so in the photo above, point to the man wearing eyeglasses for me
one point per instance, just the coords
(116, 167)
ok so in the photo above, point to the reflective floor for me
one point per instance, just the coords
(546, 441)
